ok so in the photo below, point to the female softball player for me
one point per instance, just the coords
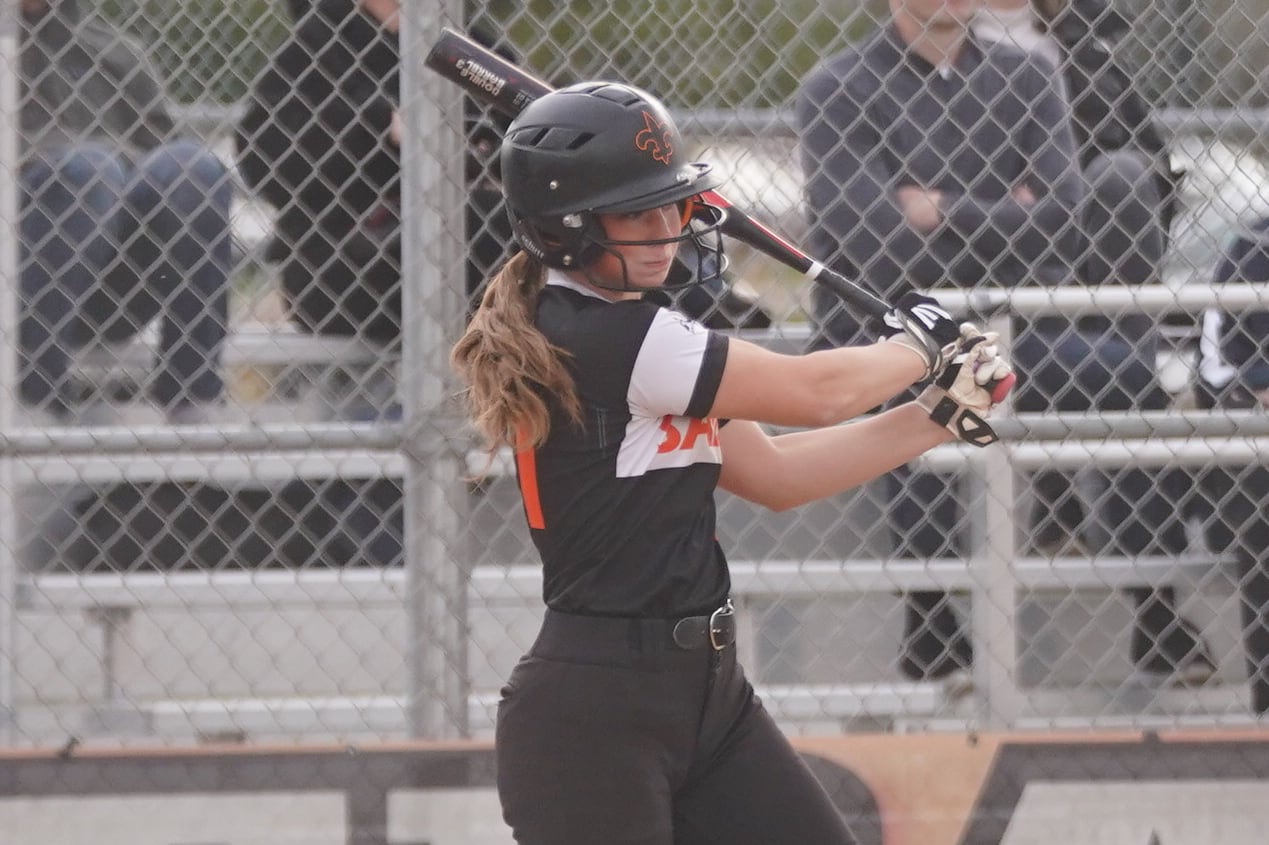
(630, 720)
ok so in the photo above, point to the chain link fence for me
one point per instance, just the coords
(238, 502)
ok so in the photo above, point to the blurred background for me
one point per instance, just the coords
(302, 544)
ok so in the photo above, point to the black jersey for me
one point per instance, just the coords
(622, 508)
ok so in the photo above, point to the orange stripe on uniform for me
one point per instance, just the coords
(527, 464)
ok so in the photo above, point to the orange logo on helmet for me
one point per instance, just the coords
(654, 139)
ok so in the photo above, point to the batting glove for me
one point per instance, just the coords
(919, 323)
(991, 370)
(975, 380)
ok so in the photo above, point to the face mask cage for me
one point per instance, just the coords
(700, 258)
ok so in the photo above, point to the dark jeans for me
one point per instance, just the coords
(1062, 367)
(1232, 504)
(106, 246)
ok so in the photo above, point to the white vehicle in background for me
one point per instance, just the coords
(1225, 191)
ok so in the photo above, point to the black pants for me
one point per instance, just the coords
(609, 732)
(1233, 504)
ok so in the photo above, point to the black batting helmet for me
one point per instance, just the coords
(594, 148)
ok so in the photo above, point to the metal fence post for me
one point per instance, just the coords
(432, 272)
(994, 610)
(8, 361)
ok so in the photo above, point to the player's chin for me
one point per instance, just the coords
(961, 11)
(651, 275)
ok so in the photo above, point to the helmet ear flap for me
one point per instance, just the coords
(556, 243)
(590, 239)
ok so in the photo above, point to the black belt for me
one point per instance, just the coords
(578, 635)
(718, 630)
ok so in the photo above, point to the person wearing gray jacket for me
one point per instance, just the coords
(935, 158)
(121, 219)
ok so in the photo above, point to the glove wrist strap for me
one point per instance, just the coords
(907, 342)
(966, 423)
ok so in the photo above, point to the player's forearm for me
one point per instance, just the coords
(807, 466)
(815, 390)
(869, 376)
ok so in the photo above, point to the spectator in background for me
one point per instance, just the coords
(488, 229)
(320, 141)
(1133, 198)
(317, 142)
(120, 219)
(1109, 113)
(1233, 500)
(298, 8)
(934, 158)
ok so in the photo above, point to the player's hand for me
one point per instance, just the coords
(920, 323)
(991, 370)
(975, 380)
(396, 129)
(921, 207)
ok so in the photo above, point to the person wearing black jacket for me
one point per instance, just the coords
(317, 143)
(320, 141)
(1109, 110)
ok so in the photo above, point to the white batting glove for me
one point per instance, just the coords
(990, 369)
(976, 379)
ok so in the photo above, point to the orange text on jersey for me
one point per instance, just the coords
(675, 439)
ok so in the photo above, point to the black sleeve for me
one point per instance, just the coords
(710, 377)
(281, 113)
(316, 127)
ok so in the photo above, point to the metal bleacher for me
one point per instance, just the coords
(503, 588)
(116, 610)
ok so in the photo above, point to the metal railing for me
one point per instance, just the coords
(995, 572)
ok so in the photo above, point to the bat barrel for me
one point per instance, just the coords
(484, 74)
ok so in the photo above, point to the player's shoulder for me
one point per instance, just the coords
(584, 323)
(612, 335)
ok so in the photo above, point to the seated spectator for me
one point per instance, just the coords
(120, 220)
(1233, 499)
(1132, 200)
(933, 157)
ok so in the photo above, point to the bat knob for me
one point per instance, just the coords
(1001, 387)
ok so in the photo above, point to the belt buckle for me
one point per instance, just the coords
(715, 627)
